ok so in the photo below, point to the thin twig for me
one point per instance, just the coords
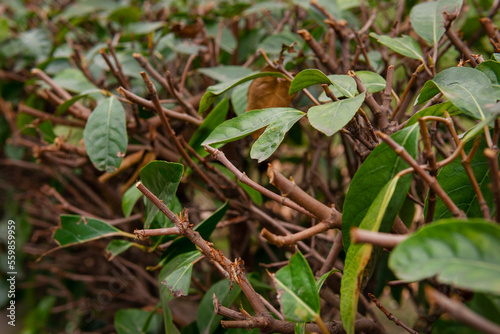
(390, 316)
(386, 240)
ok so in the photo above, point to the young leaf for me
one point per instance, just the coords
(129, 199)
(243, 125)
(216, 90)
(214, 118)
(176, 274)
(207, 320)
(427, 18)
(272, 137)
(465, 254)
(116, 247)
(455, 182)
(379, 168)
(467, 88)
(307, 78)
(404, 45)
(132, 321)
(359, 255)
(162, 178)
(320, 281)
(297, 291)
(372, 81)
(76, 229)
(105, 135)
(331, 117)
(435, 110)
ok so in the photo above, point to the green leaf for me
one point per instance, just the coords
(372, 81)
(76, 229)
(176, 274)
(226, 73)
(307, 78)
(214, 118)
(404, 45)
(377, 170)
(435, 110)
(116, 247)
(162, 179)
(243, 125)
(455, 182)
(47, 131)
(272, 137)
(207, 320)
(74, 81)
(274, 42)
(359, 255)
(467, 88)
(132, 321)
(105, 135)
(255, 196)
(239, 98)
(143, 28)
(331, 117)
(427, 18)
(465, 254)
(297, 291)
(213, 91)
(344, 84)
(320, 281)
(94, 93)
(492, 70)
(129, 199)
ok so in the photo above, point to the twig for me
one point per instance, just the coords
(280, 240)
(409, 85)
(460, 312)
(46, 116)
(157, 231)
(390, 316)
(318, 50)
(431, 159)
(184, 102)
(386, 240)
(332, 255)
(492, 156)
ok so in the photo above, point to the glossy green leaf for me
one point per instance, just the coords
(272, 137)
(320, 281)
(214, 119)
(162, 179)
(47, 131)
(427, 18)
(359, 255)
(372, 81)
(226, 73)
(129, 199)
(94, 92)
(331, 117)
(116, 247)
(205, 228)
(273, 43)
(105, 135)
(76, 229)
(216, 90)
(207, 320)
(165, 297)
(176, 274)
(297, 291)
(405, 45)
(435, 110)
(307, 78)
(377, 170)
(243, 125)
(465, 254)
(492, 70)
(467, 88)
(132, 321)
(455, 182)
(255, 196)
(144, 27)
(239, 98)
(344, 84)
(74, 81)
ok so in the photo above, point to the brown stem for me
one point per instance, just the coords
(184, 102)
(46, 116)
(280, 240)
(431, 181)
(386, 240)
(387, 97)
(318, 50)
(492, 156)
(390, 316)
(406, 91)
(332, 255)
(460, 312)
(431, 159)
(157, 231)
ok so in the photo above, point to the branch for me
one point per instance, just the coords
(386, 240)
(492, 156)
(390, 316)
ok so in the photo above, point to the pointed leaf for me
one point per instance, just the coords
(76, 229)
(216, 90)
(74, 81)
(467, 88)
(372, 81)
(129, 199)
(162, 179)
(378, 169)
(404, 45)
(359, 255)
(435, 110)
(344, 84)
(455, 182)
(176, 274)
(116, 247)
(331, 117)
(132, 321)
(427, 18)
(320, 281)
(226, 73)
(243, 125)
(492, 70)
(207, 320)
(465, 254)
(272, 137)
(105, 135)
(308, 78)
(297, 292)
(94, 93)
